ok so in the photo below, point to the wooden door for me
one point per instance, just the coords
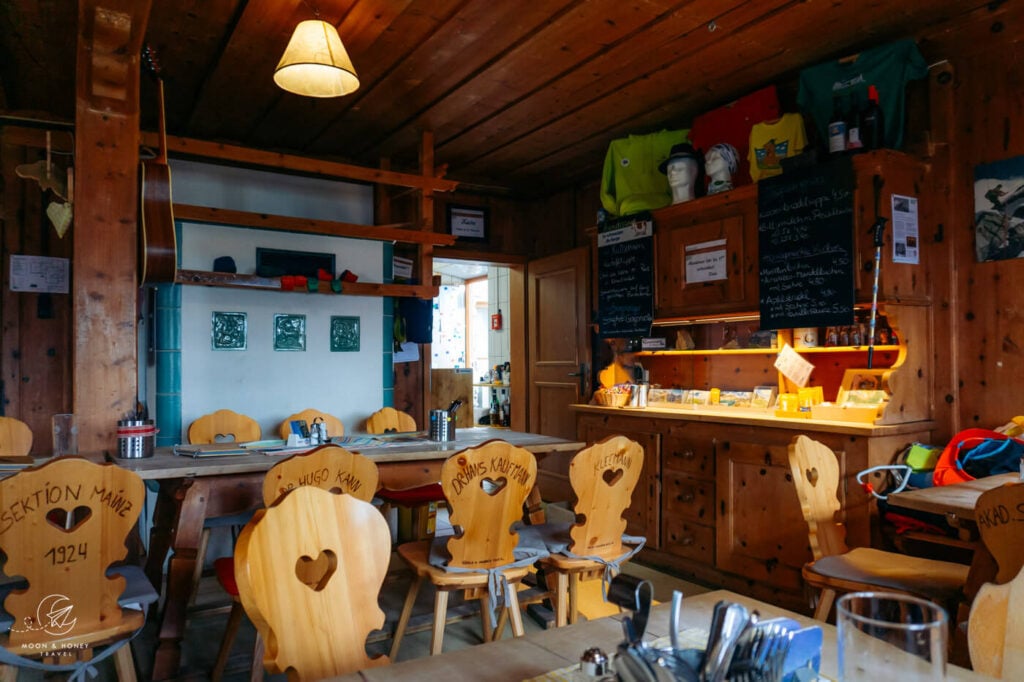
(558, 333)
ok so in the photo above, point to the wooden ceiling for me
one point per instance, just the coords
(519, 94)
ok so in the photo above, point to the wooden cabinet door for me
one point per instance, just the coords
(760, 531)
(726, 225)
(642, 517)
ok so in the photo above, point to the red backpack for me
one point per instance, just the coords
(975, 453)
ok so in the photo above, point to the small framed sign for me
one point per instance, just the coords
(468, 223)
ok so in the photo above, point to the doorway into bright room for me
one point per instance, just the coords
(471, 328)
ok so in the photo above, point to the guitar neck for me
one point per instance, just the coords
(161, 156)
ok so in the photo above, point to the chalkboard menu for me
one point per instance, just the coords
(805, 246)
(625, 276)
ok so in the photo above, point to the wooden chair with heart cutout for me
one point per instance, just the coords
(63, 529)
(222, 426)
(310, 568)
(328, 467)
(838, 569)
(485, 488)
(15, 437)
(995, 628)
(335, 427)
(603, 477)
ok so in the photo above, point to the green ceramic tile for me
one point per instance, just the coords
(229, 331)
(344, 334)
(289, 332)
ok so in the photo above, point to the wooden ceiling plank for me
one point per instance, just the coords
(559, 45)
(457, 53)
(43, 78)
(245, 155)
(599, 78)
(187, 36)
(727, 62)
(390, 45)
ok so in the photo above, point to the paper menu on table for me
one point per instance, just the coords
(793, 366)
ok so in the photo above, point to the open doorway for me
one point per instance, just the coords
(471, 332)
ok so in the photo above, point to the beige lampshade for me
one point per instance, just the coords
(315, 63)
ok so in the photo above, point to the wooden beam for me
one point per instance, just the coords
(229, 152)
(265, 221)
(104, 233)
(227, 279)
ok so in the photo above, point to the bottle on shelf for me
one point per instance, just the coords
(494, 409)
(872, 122)
(853, 141)
(506, 413)
(837, 128)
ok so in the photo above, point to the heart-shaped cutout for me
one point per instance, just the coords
(316, 573)
(224, 438)
(612, 476)
(812, 476)
(62, 519)
(493, 487)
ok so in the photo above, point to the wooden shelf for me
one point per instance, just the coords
(763, 351)
(236, 281)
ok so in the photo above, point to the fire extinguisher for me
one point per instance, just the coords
(496, 320)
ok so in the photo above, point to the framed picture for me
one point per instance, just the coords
(468, 223)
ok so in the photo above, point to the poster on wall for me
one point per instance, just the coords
(999, 210)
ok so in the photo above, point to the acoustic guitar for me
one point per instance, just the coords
(158, 244)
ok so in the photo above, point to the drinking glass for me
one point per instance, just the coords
(65, 435)
(888, 636)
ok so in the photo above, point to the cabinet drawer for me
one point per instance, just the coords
(688, 497)
(690, 540)
(688, 455)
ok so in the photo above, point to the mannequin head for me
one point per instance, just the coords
(721, 162)
(681, 168)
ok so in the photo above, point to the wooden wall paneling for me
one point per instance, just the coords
(990, 327)
(104, 284)
(11, 217)
(942, 213)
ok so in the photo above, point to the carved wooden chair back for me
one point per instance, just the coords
(15, 437)
(603, 477)
(815, 471)
(223, 426)
(64, 524)
(309, 570)
(334, 425)
(329, 467)
(995, 630)
(388, 419)
(999, 513)
(486, 487)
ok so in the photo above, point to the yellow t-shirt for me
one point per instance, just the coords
(772, 141)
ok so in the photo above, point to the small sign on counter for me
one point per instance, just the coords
(793, 366)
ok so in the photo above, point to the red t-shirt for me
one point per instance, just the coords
(732, 123)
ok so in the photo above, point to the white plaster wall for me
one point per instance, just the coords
(265, 384)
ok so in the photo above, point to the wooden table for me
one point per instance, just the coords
(540, 652)
(194, 489)
(955, 502)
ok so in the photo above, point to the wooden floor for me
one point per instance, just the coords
(206, 626)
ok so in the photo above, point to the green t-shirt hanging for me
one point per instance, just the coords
(888, 68)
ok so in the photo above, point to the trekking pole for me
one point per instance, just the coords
(879, 230)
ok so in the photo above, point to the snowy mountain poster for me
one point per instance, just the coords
(999, 210)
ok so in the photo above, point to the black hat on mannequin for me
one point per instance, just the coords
(680, 151)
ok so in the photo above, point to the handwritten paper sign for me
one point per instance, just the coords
(40, 274)
(793, 366)
(805, 247)
(625, 277)
(706, 262)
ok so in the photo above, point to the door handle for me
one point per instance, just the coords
(582, 374)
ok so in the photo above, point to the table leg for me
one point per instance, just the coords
(196, 500)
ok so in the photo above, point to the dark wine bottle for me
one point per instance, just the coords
(872, 122)
(853, 142)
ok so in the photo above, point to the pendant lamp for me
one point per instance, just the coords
(315, 63)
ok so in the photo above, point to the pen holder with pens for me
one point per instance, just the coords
(135, 438)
